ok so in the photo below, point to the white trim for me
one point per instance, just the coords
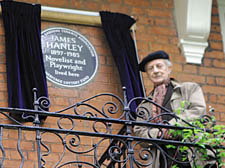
(193, 19)
(221, 10)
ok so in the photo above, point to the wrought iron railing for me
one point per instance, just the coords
(90, 134)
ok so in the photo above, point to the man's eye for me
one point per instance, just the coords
(159, 66)
(150, 68)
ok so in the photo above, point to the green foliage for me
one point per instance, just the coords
(204, 133)
(175, 166)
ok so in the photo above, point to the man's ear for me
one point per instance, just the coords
(170, 69)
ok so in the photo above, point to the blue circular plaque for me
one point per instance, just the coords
(70, 59)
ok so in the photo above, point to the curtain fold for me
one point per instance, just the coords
(24, 60)
(117, 30)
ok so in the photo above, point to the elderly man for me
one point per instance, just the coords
(168, 93)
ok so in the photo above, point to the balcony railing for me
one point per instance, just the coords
(97, 132)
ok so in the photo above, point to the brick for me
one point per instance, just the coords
(214, 10)
(207, 62)
(168, 48)
(215, 28)
(220, 81)
(177, 67)
(2, 31)
(115, 8)
(76, 4)
(137, 11)
(2, 96)
(103, 50)
(28, 146)
(96, 41)
(2, 59)
(56, 147)
(146, 21)
(142, 3)
(102, 77)
(177, 58)
(214, 3)
(60, 101)
(222, 117)
(4, 103)
(215, 20)
(160, 13)
(142, 45)
(164, 4)
(86, 94)
(93, 6)
(216, 45)
(110, 61)
(164, 22)
(3, 87)
(10, 144)
(220, 108)
(102, 87)
(163, 31)
(102, 60)
(210, 80)
(162, 39)
(32, 156)
(215, 36)
(213, 89)
(62, 92)
(173, 40)
(2, 68)
(30, 1)
(14, 155)
(212, 71)
(190, 69)
(213, 98)
(3, 77)
(219, 63)
(10, 163)
(215, 55)
(2, 49)
(221, 99)
(140, 28)
(115, 1)
(105, 69)
(145, 37)
(54, 3)
(218, 116)
(190, 77)
(113, 79)
(29, 136)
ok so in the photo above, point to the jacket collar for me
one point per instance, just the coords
(175, 83)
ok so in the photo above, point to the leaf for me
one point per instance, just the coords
(170, 147)
(178, 111)
(175, 166)
(182, 104)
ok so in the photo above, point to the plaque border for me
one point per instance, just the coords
(92, 47)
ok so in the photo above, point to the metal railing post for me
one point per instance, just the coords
(37, 124)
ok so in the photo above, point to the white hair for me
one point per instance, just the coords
(168, 62)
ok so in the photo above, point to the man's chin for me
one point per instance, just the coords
(158, 82)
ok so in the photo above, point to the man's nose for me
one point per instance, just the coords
(155, 69)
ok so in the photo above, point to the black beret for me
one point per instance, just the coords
(152, 56)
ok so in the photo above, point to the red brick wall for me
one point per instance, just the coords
(156, 30)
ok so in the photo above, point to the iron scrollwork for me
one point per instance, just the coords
(109, 140)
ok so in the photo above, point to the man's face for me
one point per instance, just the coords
(158, 71)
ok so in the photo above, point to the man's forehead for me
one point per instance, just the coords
(156, 61)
